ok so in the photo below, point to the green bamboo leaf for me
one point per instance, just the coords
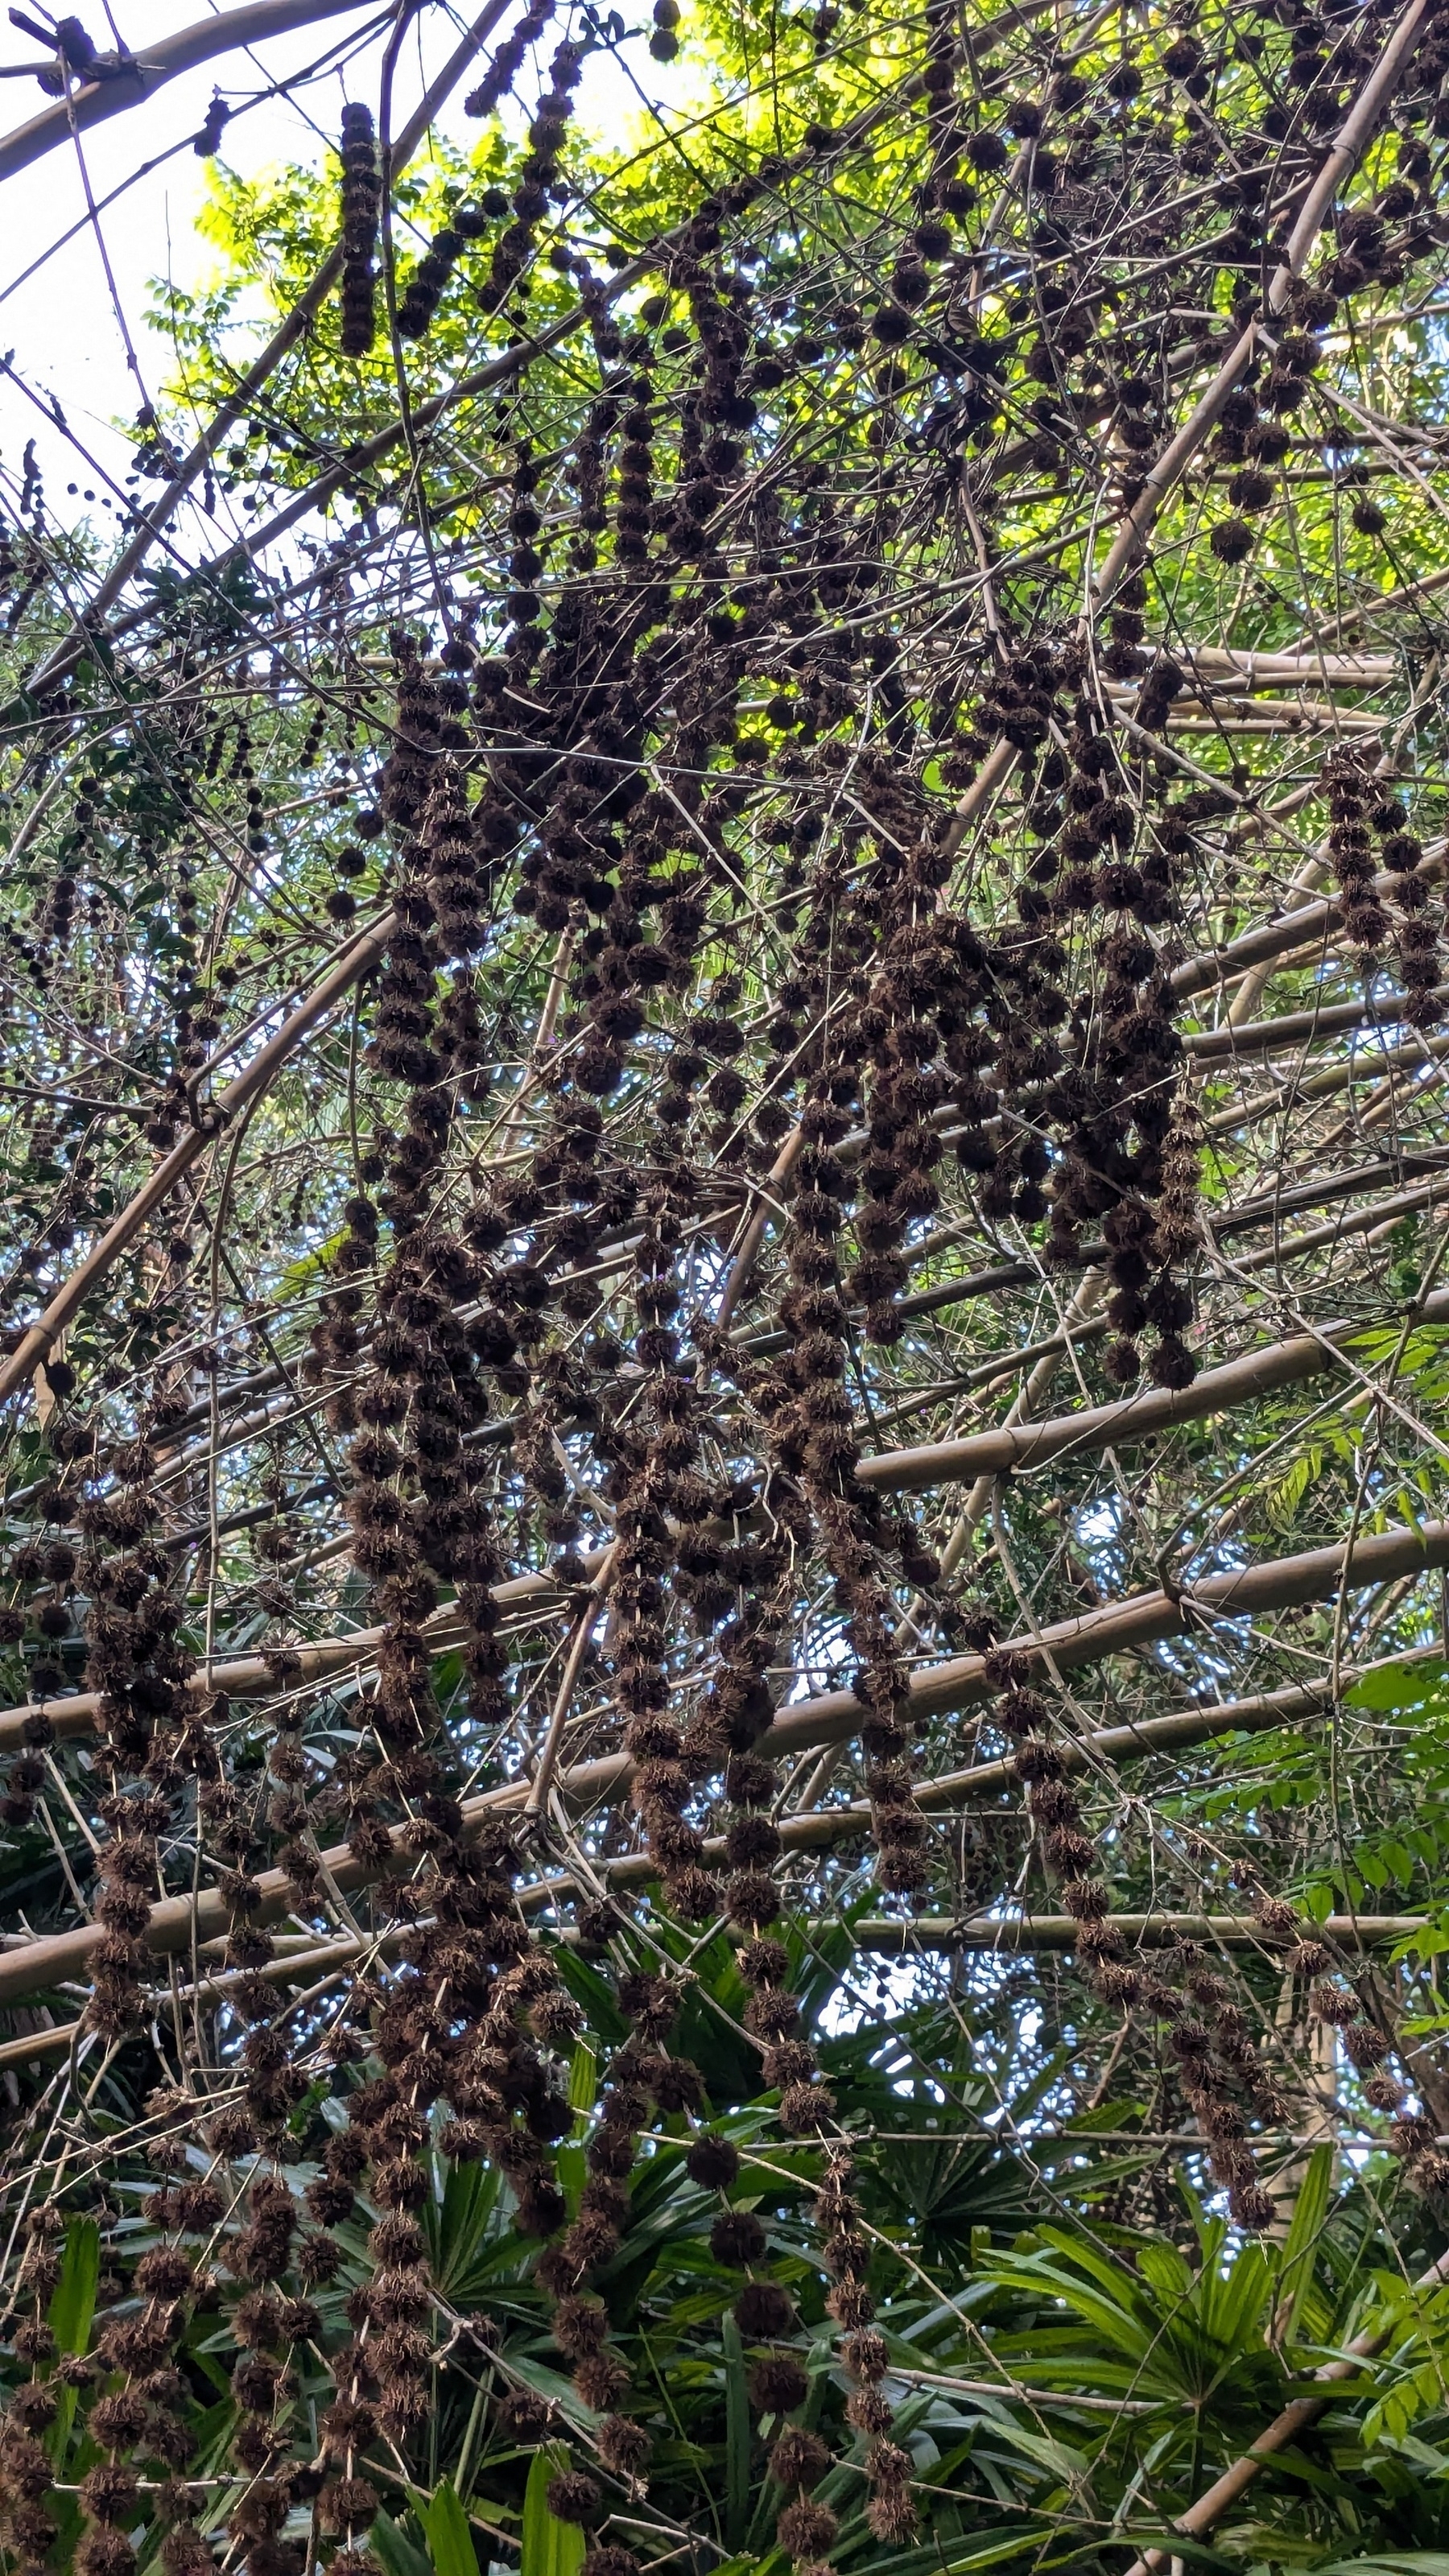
(583, 2077)
(737, 2437)
(550, 2547)
(392, 2544)
(606, 2022)
(450, 2542)
(73, 2304)
(1391, 2562)
(1419, 1684)
(458, 2228)
(1196, 2552)
(1295, 2277)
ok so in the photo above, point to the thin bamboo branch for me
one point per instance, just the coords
(520, 354)
(1349, 142)
(876, 1936)
(249, 1085)
(94, 102)
(1007, 1934)
(178, 1922)
(541, 1785)
(1015, 1446)
(160, 511)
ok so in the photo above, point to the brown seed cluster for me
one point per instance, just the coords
(702, 1026)
(361, 200)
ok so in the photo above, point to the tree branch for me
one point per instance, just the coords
(40, 1337)
(831, 1717)
(95, 102)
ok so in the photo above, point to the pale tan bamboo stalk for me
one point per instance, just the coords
(1011, 1446)
(1098, 1426)
(878, 1936)
(94, 102)
(250, 1676)
(1312, 925)
(180, 1922)
(1293, 2419)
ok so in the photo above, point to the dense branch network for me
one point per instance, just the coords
(849, 835)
